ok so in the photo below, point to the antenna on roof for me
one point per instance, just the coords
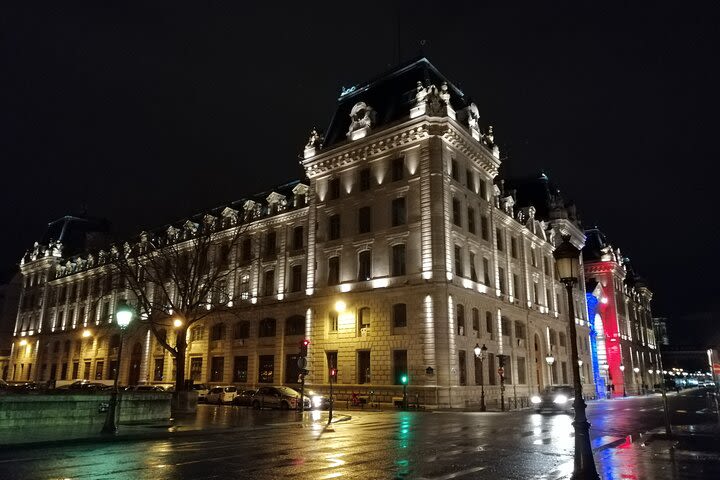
(422, 47)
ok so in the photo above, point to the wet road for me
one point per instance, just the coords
(441, 445)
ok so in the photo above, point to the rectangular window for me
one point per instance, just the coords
(266, 370)
(267, 327)
(400, 366)
(462, 367)
(484, 229)
(479, 374)
(298, 238)
(399, 215)
(363, 366)
(244, 286)
(458, 261)
(521, 373)
(507, 369)
(514, 247)
(334, 189)
(486, 271)
(64, 369)
(470, 180)
(334, 227)
(454, 170)
(398, 169)
(86, 371)
(483, 189)
(292, 370)
(240, 369)
(217, 332)
(331, 359)
(333, 321)
(533, 257)
(476, 321)
(457, 216)
(398, 260)
(333, 271)
(563, 368)
(516, 286)
(296, 282)
(364, 179)
(241, 330)
(246, 250)
(498, 233)
(99, 367)
(489, 325)
(460, 319)
(269, 285)
(75, 370)
(501, 286)
(473, 271)
(364, 219)
(536, 297)
(196, 368)
(159, 369)
(295, 325)
(270, 243)
(399, 315)
(471, 220)
(364, 265)
(546, 264)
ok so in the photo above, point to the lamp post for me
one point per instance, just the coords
(638, 380)
(567, 262)
(480, 354)
(622, 369)
(501, 371)
(550, 360)
(123, 315)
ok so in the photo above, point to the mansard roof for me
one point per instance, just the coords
(391, 96)
(538, 191)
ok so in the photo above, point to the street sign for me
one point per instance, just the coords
(302, 362)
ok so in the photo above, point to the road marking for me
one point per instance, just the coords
(461, 473)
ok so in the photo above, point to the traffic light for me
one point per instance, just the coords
(404, 379)
(304, 347)
(333, 373)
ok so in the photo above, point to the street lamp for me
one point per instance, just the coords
(622, 369)
(480, 354)
(123, 315)
(567, 262)
(550, 360)
(638, 380)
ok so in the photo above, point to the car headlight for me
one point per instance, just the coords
(317, 401)
(535, 399)
(560, 399)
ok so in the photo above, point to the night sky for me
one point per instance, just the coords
(149, 114)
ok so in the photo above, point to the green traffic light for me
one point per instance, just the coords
(404, 379)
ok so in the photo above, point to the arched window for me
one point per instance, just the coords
(217, 332)
(364, 321)
(267, 327)
(241, 330)
(460, 319)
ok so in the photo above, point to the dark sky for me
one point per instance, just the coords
(148, 114)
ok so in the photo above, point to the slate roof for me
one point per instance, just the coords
(391, 95)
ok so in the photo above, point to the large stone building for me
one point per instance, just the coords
(397, 255)
(619, 300)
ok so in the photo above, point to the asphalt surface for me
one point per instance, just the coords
(379, 445)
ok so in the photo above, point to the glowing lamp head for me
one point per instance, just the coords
(651, 371)
(23, 342)
(636, 369)
(177, 323)
(550, 359)
(340, 306)
(622, 368)
(567, 260)
(86, 333)
(123, 315)
(580, 363)
(404, 379)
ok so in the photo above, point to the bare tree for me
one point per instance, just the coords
(178, 277)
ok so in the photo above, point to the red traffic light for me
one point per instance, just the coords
(306, 342)
(333, 372)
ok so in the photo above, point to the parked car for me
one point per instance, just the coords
(145, 388)
(282, 397)
(222, 395)
(556, 398)
(202, 391)
(245, 397)
(86, 385)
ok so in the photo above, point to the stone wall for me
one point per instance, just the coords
(33, 411)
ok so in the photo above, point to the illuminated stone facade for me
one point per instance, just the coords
(628, 354)
(401, 221)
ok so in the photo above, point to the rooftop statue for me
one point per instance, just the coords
(315, 140)
(361, 116)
